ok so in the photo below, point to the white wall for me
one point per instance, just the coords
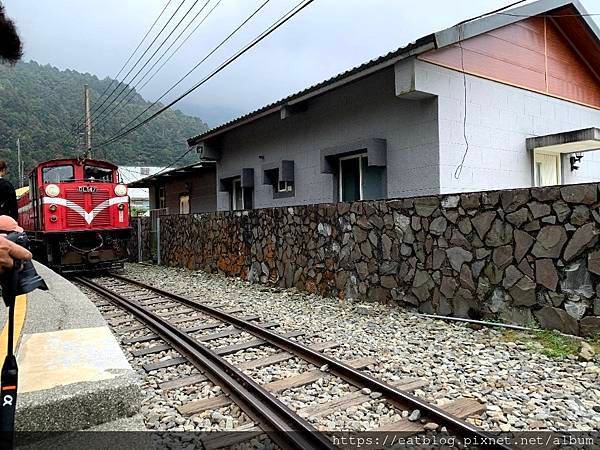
(499, 119)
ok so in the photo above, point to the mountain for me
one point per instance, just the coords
(42, 105)
(213, 115)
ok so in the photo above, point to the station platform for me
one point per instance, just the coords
(72, 372)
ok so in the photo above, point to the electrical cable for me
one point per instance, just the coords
(223, 42)
(459, 168)
(551, 16)
(135, 89)
(141, 57)
(127, 86)
(128, 59)
(461, 31)
(182, 43)
(286, 17)
(172, 163)
(496, 11)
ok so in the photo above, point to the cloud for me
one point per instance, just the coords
(328, 37)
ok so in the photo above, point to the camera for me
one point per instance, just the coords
(27, 278)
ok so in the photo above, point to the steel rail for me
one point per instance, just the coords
(344, 371)
(280, 423)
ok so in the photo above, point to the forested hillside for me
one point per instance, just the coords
(41, 104)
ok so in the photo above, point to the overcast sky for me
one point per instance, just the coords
(326, 38)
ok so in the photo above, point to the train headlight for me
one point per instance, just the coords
(120, 190)
(52, 190)
(52, 208)
(121, 206)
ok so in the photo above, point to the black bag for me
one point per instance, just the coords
(8, 199)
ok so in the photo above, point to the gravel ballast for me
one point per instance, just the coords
(522, 388)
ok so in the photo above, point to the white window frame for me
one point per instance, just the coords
(236, 184)
(284, 186)
(162, 197)
(536, 174)
(189, 209)
(360, 174)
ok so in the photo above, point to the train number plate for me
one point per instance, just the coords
(87, 188)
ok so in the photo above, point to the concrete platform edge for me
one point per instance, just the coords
(81, 402)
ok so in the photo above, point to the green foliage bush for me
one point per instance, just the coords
(41, 104)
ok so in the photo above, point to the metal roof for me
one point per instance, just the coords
(464, 30)
(289, 100)
(151, 180)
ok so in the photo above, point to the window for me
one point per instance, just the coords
(145, 170)
(184, 204)
(281, 189)
(237, 201)
(358, 180)
(239, 197)
(57, 174)
(285, 186)
(162, 198)
(546, 169)
(280, 176)
(95, 173)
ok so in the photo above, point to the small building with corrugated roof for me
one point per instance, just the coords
(508, 99)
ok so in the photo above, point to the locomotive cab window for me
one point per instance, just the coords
(57, 174)
(95, 173)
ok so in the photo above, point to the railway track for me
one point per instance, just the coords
(166, 315)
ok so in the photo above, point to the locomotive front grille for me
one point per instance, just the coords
(74, 219)
(103, 217)
(88, 201)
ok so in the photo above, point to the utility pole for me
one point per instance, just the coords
(88, 122)
(19, 165)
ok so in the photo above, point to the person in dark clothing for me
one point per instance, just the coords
(8, 196)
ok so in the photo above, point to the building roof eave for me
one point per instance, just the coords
(420, 46)
(452, 35)
(151, 180)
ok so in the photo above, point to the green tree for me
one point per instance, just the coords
(41, 105)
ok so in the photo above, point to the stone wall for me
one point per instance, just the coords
(522, 256)
(142, 224)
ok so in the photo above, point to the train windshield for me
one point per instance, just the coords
(57, 174)
(95, 173)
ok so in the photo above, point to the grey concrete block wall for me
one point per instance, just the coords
(362, 110)
(499, 120)
(418, 107)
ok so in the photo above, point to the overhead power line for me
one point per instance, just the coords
(126, 86)
(175, 161)
(132, 91)
(141, 56)
(112, 81)
(223, 42)
(552, 16)
(182, 43)
(286, 17)
(491, 13)
(283, 19)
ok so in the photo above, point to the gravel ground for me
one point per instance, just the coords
(522, 388)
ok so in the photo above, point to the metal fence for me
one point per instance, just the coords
(147, 237)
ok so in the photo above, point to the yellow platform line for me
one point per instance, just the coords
(20, 310)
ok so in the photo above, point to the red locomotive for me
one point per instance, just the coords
(76, 214)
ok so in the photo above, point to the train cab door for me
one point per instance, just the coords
(35, 200)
